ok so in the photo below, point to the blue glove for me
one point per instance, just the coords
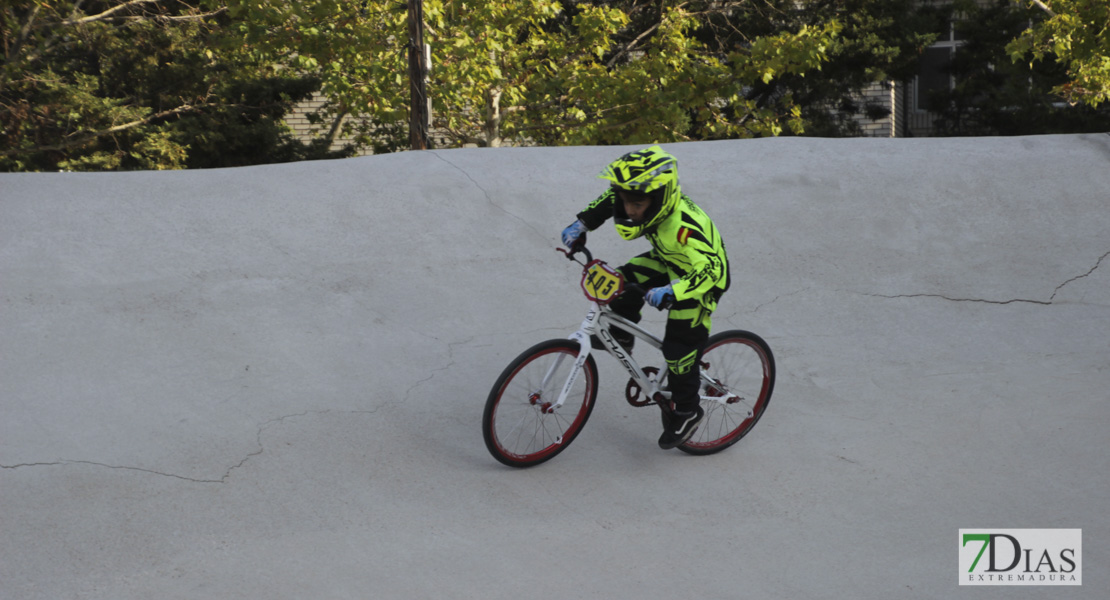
(574, 231)
(660, 297)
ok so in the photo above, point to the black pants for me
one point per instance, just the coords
(685, 336)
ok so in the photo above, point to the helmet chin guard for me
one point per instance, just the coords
(638, 227)
(650, 172)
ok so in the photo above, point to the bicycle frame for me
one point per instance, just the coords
(597, 323)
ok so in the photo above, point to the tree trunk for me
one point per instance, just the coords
(333, 132)
(492, 129)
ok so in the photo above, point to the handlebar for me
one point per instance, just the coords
(575, 250)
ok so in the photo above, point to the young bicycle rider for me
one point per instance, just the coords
(686, 269)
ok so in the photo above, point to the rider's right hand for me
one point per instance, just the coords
(574, 235)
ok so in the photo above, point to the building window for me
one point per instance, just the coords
(934, 70)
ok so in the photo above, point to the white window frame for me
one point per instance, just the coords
(951, 44)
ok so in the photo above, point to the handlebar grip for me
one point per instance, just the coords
(579, 246)
(579, 242)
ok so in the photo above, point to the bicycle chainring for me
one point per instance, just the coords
(633, 393)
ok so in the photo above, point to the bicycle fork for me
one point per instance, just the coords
(582, 336)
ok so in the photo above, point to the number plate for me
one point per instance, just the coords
(601, 283)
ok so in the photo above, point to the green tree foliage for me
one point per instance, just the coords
(1076, 35)
(545, 71)
(163, 84)
(993, 95)
(356, 49)
(132, 84)
(879, 41)
(670, 81)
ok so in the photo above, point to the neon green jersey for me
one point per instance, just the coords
(686, 240)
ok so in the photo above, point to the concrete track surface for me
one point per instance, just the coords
(267, 382)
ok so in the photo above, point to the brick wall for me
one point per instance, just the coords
(303, 130)
(880, 94)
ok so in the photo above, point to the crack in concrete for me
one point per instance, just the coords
(1098, 263)
(1048, 302)
(489, 199)
(227, 473)
(779, 297)
(950, 299)
(437, 371)
(64, 462)
(408, 392)
(262, 428)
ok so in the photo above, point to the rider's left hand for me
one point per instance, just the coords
(660, 297)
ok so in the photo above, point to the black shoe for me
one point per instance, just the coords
(680, 427)
(625, 339)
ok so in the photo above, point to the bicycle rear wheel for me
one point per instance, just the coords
(520, 424)
(738, 374)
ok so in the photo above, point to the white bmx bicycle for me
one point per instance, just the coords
(541, 401)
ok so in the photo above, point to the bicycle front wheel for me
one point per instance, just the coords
(521, 424)
(738, 376)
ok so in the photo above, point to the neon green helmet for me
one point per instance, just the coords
(650, 173)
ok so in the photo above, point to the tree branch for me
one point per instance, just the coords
(24, 33)
(333, 132)
(107, 13)
(35, 53)
(1044, 7)
(459, 136)
(82, 138)
(715, 9)
(628, 47)
(172, 19)
(17, 47)
(566, 124)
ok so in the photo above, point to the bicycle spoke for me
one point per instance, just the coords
(522, 425)
(738, 375)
